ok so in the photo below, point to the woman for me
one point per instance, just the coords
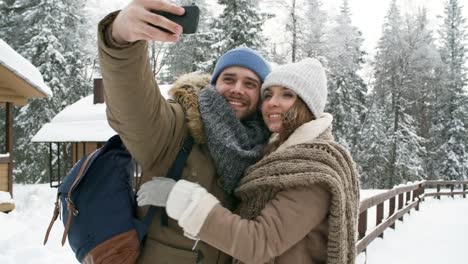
(299, 203)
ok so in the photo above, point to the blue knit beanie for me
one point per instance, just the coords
(242, 57)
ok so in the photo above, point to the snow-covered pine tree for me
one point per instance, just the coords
(93, 11)
(423, 80)
(189, 53)
(347, 90)
(275, 56)
(313, 43)
(79, 62)
(373, 147)
(240, 24)
(6, 20)
(49, 33)
(294, 26)
(10, 22)
(450, 120)
(156, 52)
(403, 162)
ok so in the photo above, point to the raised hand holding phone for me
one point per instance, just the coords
(134, 22)
(188, 21)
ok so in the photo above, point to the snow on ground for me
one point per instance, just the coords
(438, 233)
(22, 230)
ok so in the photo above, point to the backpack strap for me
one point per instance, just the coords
(70, 205)
(52, 221)
(175, 173)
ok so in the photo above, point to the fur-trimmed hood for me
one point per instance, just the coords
(185, 92)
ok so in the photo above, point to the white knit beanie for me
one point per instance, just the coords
(307, 78)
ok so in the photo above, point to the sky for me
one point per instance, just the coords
(444, 236)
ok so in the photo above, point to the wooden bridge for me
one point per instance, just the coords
(395, 203)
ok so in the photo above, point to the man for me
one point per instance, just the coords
(222, 118)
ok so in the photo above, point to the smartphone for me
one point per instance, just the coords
(188, 21)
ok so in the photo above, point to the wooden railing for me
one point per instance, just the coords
(448, 184)
(400, 201)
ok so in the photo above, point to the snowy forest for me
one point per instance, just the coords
(405, 120)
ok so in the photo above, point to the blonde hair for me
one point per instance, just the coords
(296, 116)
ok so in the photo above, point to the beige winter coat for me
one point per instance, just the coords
(310, 211)
(154, 130)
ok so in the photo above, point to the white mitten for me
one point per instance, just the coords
(155, 192)
(196, 213)
(180, 198)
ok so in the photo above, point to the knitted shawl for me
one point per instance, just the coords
(321, 162)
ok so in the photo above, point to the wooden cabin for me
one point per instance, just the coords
(77, 130)
(19, 81)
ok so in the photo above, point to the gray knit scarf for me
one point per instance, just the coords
(233, 144)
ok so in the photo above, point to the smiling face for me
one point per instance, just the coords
(276, 101)
(241, 88)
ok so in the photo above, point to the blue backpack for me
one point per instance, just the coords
(98, 199)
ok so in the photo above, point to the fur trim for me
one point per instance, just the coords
(185, 92)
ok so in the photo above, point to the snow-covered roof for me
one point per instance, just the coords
(17, 64)
(82, 121)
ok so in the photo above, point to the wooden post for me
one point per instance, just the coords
(9, 143)
(438, 191)
(414, 195)
(391, 210)
(76, 158)
(451, 190)
(423, 190)
(59, 164)
(51, 169)
(362, 224)
(379, 216)
(464, 189)
(418, 195)
(400, 204)
(65, 159)
(98, 91)
(408, 198)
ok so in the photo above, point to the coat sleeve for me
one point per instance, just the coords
(284, 221)
(151, 128)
